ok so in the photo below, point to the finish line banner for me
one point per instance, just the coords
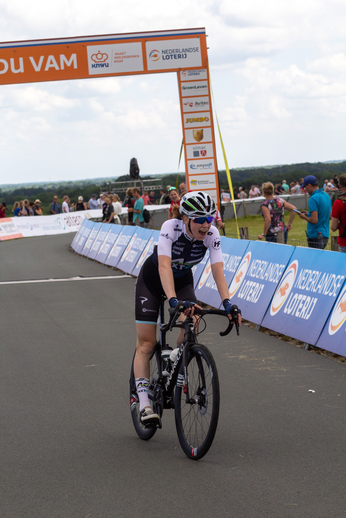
(306, 294)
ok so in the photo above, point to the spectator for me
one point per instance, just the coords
(145, 198)
(138, 207)
(295, 188)
(152, 200)
(325, 185)
(162, 197)
(339, 215)
(80, 205)
(16, 209)
(175, 200)
(101, 200)
(129, 203)
(31, 208)
(225, 196)
(235, 193)
(26, 203)
(336, 181)
(273, 211)
(108, 211)
(117, 208)
(278, 189)
(65, 207)
(254, 192)
(55, 207)
(3, 209)
(242, 193)
(23, 211)
(37, 208)
(217, 220)
(182, 189)
(284, 186)
(93, 202)
(331, 186)
(317, 218)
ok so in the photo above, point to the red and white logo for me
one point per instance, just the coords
(339, 313)
(284, 288)
(99, 57)
(239, 275)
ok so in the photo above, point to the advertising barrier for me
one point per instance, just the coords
(306, 294)
(83, 235)
(134, 249)
(333, 336)
(119, 246)
(148, 250)
(111, 237)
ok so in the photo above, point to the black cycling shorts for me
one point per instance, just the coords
(148, 292)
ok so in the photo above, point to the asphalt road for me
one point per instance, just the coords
(68, 447)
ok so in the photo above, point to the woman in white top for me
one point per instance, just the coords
(117, 208)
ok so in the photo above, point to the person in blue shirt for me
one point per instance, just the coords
(138, 207)
(318, 216)
(55, 207)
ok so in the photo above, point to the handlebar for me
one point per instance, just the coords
(175, 312)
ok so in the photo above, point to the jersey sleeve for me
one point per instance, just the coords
(337, 209)
(166, 238)
(214, 246)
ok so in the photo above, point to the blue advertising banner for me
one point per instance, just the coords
(77, 235)
(148, 250)
(108, 242)
(232, 251)
(90, 240)
(96, 243)
(199, 268)
(134, 249)
(257, 277)
(86, 229)
(119, 246)
(306, 294)
(333, 336)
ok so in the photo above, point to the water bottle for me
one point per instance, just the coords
(166, 363)
(174, 355)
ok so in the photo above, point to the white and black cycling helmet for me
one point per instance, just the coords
(196, 204)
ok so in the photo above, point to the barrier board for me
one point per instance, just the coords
(148, 250)
(8, 230)
(206, 289)
(333, 336)
(103, 230)
(257, 277)
(86, 228)
(108, 243)
(119, 246)
(77, 235)
(306, 294)
(134, 249)
(90, 240)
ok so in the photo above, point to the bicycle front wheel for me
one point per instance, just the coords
(155, 395)
(197, 413)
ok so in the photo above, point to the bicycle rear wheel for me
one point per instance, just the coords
(196, 420)
(155, 395)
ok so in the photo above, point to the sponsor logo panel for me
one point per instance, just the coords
(201, 166)
(196, 120)
(115, 58)
(199, 151)
(202, 181)
(167, 54)
(198, 135)
(195, 104)
(339, 313)
(239, 275)
(191, 88)
(284, 288)
(188, 75)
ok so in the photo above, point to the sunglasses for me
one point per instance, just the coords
(202, 220)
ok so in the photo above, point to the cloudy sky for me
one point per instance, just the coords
(278, 71)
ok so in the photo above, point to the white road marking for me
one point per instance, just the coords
(71, 279)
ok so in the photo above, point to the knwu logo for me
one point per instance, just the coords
(99, 60)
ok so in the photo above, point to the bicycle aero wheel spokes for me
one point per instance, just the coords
(155, 395)
(196, 419)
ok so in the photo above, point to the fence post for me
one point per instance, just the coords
(244, 232)
(244, 208)
(334, 244)
(280, 237)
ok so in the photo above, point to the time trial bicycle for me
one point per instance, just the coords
(189, 384)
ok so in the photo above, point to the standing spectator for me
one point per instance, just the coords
(93, 203)
(331, 186)
(37, 208)
(108, 211)
(225, 196)
(175, 200)
(129, 203)
(339, 215)
(55, 207)
(336, 181)
(26, 203)
(182, 189)
(138, 207)
(145, 198)
(317, 218)
(242, 193)
(117, 207)
(235, 193)
(273, 212)
(152, 200)
(254, 192)
(295, 188)
(16, 209)
(165, 199)
(325, 185)
(278, 189)
(23, 211)
(285, 187)
(3, 209)
(31, 208)
(65, 207)
(81, 205)
(217, 220)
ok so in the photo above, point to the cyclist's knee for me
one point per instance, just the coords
(145, 346)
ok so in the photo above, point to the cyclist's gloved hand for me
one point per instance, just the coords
(188, 304)
(227, 304)
(173, 301)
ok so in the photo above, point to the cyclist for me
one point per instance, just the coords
(182, 244)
